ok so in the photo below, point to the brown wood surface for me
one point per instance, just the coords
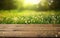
(29, 30)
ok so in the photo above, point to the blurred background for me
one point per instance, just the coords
(29, 11)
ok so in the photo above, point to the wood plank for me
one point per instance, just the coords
(28, 30)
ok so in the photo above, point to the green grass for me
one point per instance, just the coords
(29, 17)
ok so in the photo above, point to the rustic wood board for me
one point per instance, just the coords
(29, 30)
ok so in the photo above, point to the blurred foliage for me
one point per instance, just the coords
(30, 14)
(19, 4)
(7, 4)
(55, 4)
(29, 17)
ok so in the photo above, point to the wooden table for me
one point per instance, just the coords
(29, 30)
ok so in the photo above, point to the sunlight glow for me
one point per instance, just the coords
(32, 2)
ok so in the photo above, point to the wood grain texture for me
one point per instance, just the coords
(29, 30)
